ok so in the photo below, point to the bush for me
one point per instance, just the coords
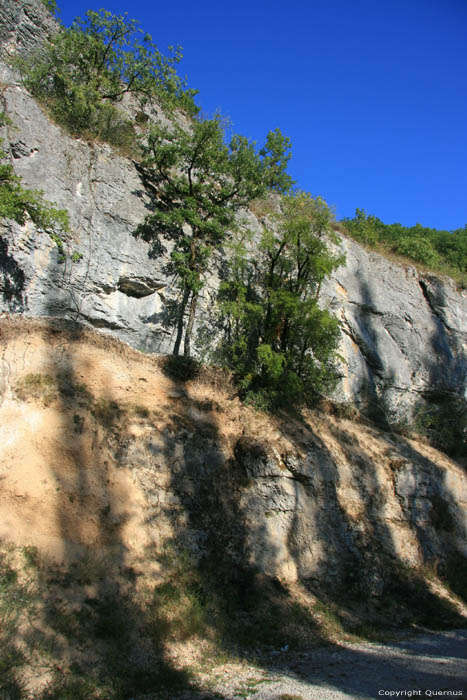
(181, 368)
(444, 423)
(420, 250)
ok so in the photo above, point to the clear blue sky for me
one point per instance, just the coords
(372, 93)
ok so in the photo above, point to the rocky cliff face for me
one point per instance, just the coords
(404, 334)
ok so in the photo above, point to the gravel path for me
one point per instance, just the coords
(430, 665)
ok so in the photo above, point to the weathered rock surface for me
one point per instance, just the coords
(404, 334)
(23, 25)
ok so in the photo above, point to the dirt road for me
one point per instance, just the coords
(430, 665)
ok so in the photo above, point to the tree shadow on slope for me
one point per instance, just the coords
(222, 528)
(371, 583)
(93, 634)
(242, 607)
(218, 557)
(441, 414)
(440, 515)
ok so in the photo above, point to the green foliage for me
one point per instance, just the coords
(199, 182)
(420, 250)
(88, 68)
(275, 156)
(444, 423)
(444, 251)
(278, 341)
(51, 5)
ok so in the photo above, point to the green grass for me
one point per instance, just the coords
(77, 687)
(37, 386)
(47, 389)
(18, 603)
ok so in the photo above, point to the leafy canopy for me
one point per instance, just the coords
(199, 182)
(86, 70)
(280, 344)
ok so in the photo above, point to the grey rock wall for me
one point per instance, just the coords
(404, 335)
(339, 510)
(116, 286)
(24, 25)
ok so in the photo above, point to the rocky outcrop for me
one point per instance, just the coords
(404, 334)
(116, 285)
(24, 25)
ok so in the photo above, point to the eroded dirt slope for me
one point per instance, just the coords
(156, 501)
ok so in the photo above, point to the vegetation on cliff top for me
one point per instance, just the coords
(84, 72)
(440, 251)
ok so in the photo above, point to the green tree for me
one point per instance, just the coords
(278, 341)
(19, 204)
(276, 155)
(419, 249)
(86, 70)
(199, 183)
(363, 227)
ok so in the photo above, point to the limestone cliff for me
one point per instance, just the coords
(404, 333)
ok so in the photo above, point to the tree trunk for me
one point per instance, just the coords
(189, 326)
(181, 315)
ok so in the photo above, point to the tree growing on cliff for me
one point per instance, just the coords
(199, 183)
(86, 70)
(278, 342)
